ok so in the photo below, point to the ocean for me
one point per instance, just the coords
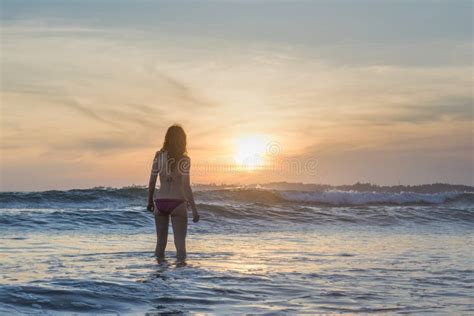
(255, 251)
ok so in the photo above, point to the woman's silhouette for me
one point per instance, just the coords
(172, 164)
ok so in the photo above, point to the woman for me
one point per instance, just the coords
(172, 164)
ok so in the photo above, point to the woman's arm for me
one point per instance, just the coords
(152, 183)
(188, 191)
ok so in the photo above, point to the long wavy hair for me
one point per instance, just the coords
(174, 145)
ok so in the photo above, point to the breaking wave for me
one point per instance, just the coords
(367, 198)
(135, 196)
(235, 209)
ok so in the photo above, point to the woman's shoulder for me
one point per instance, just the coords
(159, 155)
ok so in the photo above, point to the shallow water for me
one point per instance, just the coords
(245, 256)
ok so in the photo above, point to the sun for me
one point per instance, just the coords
(250, 152)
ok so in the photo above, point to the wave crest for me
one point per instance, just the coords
(135, 196)
(365, 198)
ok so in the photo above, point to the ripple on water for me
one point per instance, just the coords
(281, 272)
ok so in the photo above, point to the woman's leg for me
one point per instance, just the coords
(161, 223)
(179, 220)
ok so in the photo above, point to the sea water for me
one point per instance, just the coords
(254, 251)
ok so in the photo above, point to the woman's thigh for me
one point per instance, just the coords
(180, 211)
(179, 220)
(161, 224)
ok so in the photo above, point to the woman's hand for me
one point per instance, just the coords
(150, 207)
(196, 217)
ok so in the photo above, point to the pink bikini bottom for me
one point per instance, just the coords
(166, 206)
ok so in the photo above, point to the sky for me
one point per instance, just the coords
(333, 92)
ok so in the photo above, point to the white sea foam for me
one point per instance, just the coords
(362, 198)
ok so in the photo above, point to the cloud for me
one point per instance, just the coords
(95, 143)
(455, 109)
(172, 93)
(84, 110)
(100, 144)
